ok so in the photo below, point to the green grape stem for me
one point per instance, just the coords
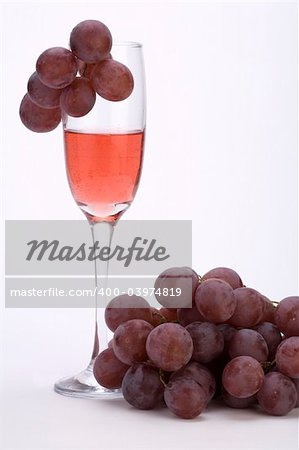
(162, 375)
(267, 366)
(161, 317)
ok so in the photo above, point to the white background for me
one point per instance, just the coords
(221, 149)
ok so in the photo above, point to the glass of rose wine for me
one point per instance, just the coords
(103, 154)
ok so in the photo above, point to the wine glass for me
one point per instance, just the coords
(103, 154)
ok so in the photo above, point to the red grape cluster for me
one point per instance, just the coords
(233, 344)
(55, 87)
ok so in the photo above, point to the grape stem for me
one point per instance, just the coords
(161, 374)
(161, 318)
(267, 366)
(274, 303)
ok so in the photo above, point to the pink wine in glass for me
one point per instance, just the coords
(103, 155)
(103, 171)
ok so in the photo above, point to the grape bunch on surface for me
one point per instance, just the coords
(67, 81)
(232, 344)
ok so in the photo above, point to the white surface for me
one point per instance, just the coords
(221, 150)
(36, 418)
(62, 423)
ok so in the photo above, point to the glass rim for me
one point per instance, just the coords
(131, 44)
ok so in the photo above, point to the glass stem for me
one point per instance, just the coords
(102, 233)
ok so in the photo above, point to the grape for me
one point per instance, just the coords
(250, 308)
(223, 273)
(278, 395)
(91, 41)
(108, 370)
(182, 278)
(248, 343)
(56, 67)
(189, 315)
(227, 332)
(208, 342)
(199, 373)
(112, 80)
(269, 311)
(296, 383)
(126, 307)
(170, 314)
(287, 357)
(185, 398)
(142, 387)
(195, 278)
(78, 98)
(41, 94)
(169, 346)
(235, 402)
(38, 119)
(272, 336)
(287, 316)
(215, 300)
(129, 341)
(242, 376)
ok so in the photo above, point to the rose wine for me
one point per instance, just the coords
(103, 171)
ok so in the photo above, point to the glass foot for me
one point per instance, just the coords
(84, 385)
